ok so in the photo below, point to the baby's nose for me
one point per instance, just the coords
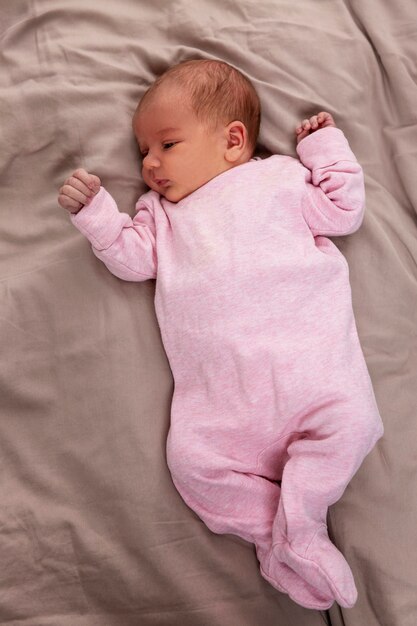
(150, 160)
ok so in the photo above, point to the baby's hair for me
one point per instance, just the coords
(219, 93)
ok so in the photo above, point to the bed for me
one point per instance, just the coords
(92, 530)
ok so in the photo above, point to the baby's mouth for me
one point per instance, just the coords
(161, 182)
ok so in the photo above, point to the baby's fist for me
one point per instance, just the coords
(78, 190)
(307, 126)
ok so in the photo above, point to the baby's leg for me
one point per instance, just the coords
(338, 437)
(230, 500)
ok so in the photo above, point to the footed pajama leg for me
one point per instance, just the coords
(241, 503)
(320, 465)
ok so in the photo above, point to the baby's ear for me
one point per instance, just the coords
(237, 140)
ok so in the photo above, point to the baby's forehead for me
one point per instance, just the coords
(171, 106)
(165, 109)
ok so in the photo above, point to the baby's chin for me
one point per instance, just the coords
(170, 192)
(173, 194)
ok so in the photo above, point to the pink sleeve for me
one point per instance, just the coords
(334, 202)
(125, 245)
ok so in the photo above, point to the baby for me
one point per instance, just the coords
(273, 408)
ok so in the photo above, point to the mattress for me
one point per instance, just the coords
(92, 530)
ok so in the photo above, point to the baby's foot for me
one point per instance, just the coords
(323, 567)
(288, 581)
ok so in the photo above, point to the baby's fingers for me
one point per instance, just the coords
(305, 124)
(95, 183)
(325, 118)
(90, 181)
(83, 177)
(75, 182)
(71, 190)
(68, 203)
(315, 121)
(309, 124)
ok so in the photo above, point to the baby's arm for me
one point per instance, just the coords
(125, 245)
(334, 202)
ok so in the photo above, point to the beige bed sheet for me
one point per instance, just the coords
(92, 531)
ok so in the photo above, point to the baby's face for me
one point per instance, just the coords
(179, 153)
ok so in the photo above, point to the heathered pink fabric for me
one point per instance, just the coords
(254, 306)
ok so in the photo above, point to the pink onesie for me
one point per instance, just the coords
(273, 408)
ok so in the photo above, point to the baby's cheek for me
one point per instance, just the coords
(146, 177)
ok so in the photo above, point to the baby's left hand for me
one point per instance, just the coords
(321, 120)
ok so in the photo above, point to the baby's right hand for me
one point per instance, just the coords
(78, 190)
